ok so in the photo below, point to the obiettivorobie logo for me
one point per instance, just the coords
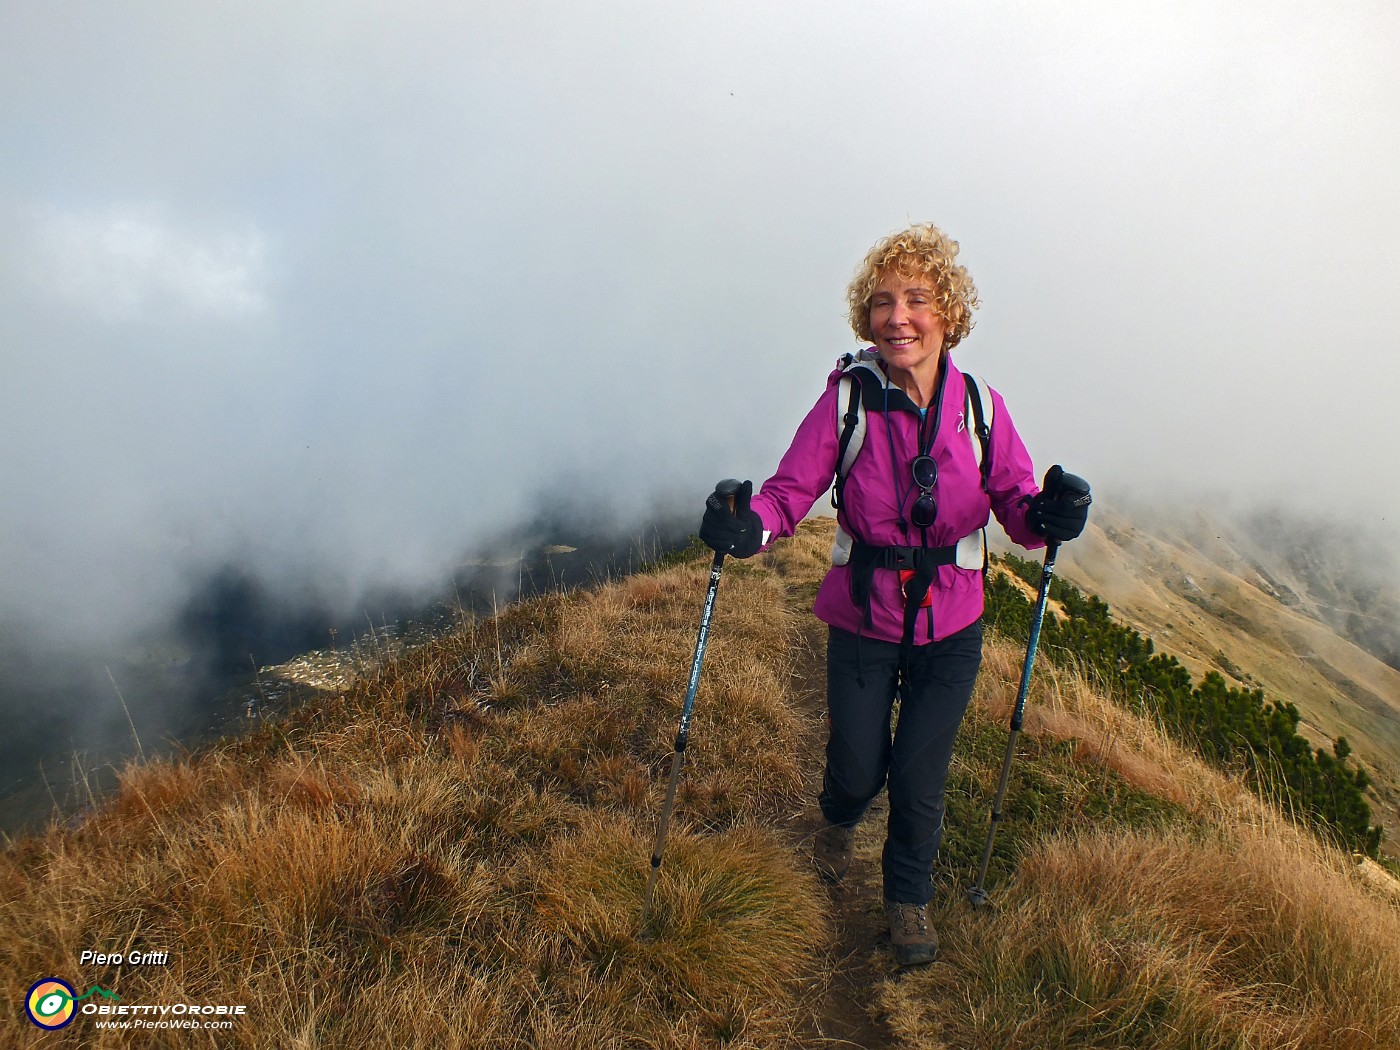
(52, 1003)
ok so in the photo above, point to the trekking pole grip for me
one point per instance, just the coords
(727, 490)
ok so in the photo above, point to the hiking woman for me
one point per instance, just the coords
(903, 599)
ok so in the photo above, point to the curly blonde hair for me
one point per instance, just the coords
(921, 250)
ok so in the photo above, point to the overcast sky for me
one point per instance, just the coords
(352, 284)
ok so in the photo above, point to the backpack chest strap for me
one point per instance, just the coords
(913, 558)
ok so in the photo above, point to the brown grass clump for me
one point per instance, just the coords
(731, 912)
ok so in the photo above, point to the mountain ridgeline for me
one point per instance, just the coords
(1238, 729)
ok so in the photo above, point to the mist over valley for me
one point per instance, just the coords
(240, 647)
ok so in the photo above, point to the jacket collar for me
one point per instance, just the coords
(875, 383)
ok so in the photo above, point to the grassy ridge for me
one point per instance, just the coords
(452, 852)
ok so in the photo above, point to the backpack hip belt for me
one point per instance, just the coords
(923, 562)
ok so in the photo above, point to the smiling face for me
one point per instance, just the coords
(906, 326)
(921, 249)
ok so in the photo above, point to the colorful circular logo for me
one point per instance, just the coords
(50, 1003)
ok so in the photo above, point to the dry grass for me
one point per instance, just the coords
(1233, 937)
(1066, 705)
(453, 853)
(1244, 931)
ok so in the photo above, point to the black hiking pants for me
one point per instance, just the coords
(863, 678)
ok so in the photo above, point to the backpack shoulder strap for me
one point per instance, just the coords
(979, 412)
(852, 423)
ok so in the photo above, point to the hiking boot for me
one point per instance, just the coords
(831, 852)
(914, 942)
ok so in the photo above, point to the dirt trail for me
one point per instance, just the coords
(846, 1014)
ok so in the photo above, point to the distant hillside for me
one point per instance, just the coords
(1261, 601)
(1348, 580)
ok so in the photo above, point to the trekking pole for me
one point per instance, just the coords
(977, 895)
(1064, 486)
(726, 489)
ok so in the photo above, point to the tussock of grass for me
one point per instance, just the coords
(730, 912)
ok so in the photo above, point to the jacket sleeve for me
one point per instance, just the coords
(1011, 484)
(805, 472)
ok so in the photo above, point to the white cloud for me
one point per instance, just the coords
(124, 263)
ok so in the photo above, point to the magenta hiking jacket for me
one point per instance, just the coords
(878, 486)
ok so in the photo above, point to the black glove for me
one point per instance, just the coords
(738, 532)
(1061, 508)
